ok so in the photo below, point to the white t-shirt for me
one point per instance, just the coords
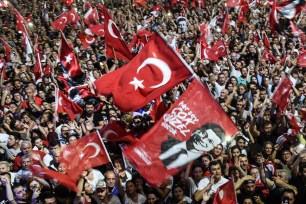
(141, 199)
(205, 181)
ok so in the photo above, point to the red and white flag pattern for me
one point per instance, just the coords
(281, 93)
(7, 48)
(61, 21)
(73, 16)
(96, 30)
(226, 194)
(195, 123)
(153, 71)
(302, 59)
(86, 40)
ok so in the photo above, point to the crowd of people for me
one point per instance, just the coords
(266, 159)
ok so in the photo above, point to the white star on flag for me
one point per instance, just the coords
(68, 58)
(137, 83)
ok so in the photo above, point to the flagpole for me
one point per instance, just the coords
(100, 138)
(114, 53)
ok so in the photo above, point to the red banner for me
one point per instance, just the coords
(193, 125)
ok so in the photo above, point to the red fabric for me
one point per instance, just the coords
(60, 22)
(85, 153)
(273, 19)
(225, 24)
(116, 47)
(2, 4)
(302, 59)
(37, 68)
(284, 59)
(225, 194)
(19, 20)
(221, 49)
(17, 161)
(91, 17)
(69, 60)
(68, 2)
(268, 56)
(155, 70)
(73, 16)
(208, 53)
(198, 3)
(158, 109)
(142, 3)
(37, 100)
(63, 179)
(281, 93)
(142, 36)
(113, 132)
(8, 49)
(96, 30)
(86, 40)
(63, 104)
(303, 112)
(266, 41)
(194, 109)
(290, 11)
(83, 90)
(233, 3)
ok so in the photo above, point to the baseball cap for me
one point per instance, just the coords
(101, 185)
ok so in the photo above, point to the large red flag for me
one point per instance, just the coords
(91, 17)
(69, 60)
(282, 92)
(142, 3)
(85, 153)
(63, 104)
(96, 30)
(208, 53)
(268, 56)
(233, 3)
(220, 47)
(225, 194)
(115, 45)
(7, 48)
(86, 40)
(19, 20)
(113, 132)
(273, 19)
(193, 125)
(61, 21)
(266, 41)
(62, 178)
(73, 16)
(156, 69)
(225, 24)
(302, 59)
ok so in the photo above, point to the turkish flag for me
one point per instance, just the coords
(19, 20)
(284, 59)
(85, 153)
(294, 125)
(302, 59)
(62, 178)
(68, 2)
(38, 67)
(26, 42)
(73, 16)
(91, 17)
(233, 3)
(295, 30)
(194, 124)
(113, 132)
(3, 4)
(140, 38)
(69, 60)
(225, 24)
(153, 71)
(96, 30)
(226, 194)
(198, 3)
(266, 41)
(140, 3)
(115, 45)
(7, 48)
(290, 9)
(158, 109)
(83, 91)
(268, 56)
(61, 22)
(208, 53)
(221, 49)
(86, 40)
(273, 19)
(63, 104)
(281, 93)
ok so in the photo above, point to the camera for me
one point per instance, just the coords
(285, 200)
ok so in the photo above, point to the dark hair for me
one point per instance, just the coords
(213, 163)
(16, 135)
(302, 166)
(47, 194)
(215, 127)
(287, 190)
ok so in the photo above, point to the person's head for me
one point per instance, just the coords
(4, 166)
(26, 147)
(26, 161)
(207, 137)
(110, 177)
(54, 145)
(130, 187)
(19, 193)
(87, 188)
(65, 130)
(101, 189)
(48, 197)
(247, 200)
(72, 139)
(235, 151)
(267, 129)
(244, 161)
(217, 150)
(89, 108)
(205, 160)
(152, 197)
(13, 139)
(284, 174)
(240, 142)
(221, 78)
(249, 187)
(215, 168)
(286, 155)
(37, 142)
(118, 163)
(197, 172)
(254, 171)
(268, 147)
(288, 195)
(178, 193)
